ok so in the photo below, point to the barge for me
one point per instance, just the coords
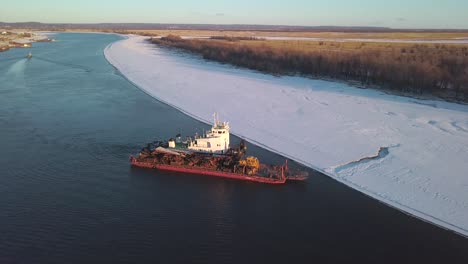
(210, 154)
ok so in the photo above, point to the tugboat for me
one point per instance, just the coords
(211, 155)
(29, 56)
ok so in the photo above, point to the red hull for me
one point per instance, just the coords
(202, 171)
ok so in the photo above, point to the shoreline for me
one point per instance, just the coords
(22, 39)
(393, 203)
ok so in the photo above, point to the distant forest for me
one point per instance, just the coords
(432, 69)
(152, 26)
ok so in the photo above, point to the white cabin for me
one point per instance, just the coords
(215, 140)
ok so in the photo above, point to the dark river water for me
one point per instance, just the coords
(68, 123)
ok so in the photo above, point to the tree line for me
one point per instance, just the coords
(231, 38)
(440, 70)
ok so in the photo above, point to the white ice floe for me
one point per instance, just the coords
(411, 154)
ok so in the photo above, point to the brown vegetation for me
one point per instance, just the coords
(232, 38)
(435, 69)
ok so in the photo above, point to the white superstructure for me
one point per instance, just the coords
(215, 140)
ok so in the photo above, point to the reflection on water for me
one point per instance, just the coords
(68, 123)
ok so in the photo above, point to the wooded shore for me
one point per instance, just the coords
(439, 70)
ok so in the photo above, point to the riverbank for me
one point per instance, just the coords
(20, 39)
(328, 126)
(420, 69)
(323, 34)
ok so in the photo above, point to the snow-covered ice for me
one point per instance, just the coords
(411, 154)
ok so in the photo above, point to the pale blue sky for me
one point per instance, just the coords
(396, 13)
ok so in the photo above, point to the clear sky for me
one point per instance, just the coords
(391, 13)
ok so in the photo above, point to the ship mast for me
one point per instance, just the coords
(215, 119)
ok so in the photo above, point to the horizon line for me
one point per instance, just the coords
(234, 24)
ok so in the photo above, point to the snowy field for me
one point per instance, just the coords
(411, 154)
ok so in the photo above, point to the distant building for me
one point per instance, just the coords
(4, 32)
